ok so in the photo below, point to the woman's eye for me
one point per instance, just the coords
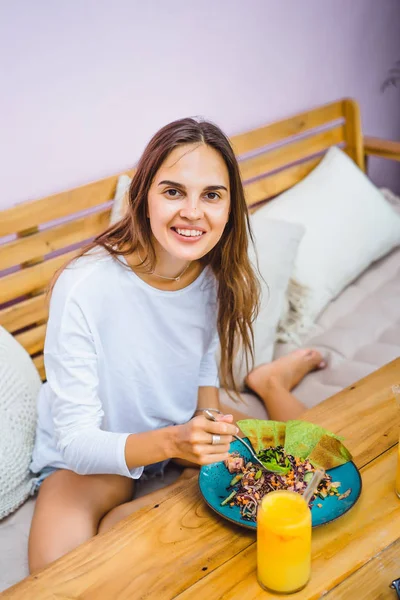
(172, 193)
(212, 196)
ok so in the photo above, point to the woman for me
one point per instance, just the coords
(133, 328)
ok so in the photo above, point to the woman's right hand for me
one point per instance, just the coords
(193, 441)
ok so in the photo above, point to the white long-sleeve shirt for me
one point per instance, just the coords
(121, 357)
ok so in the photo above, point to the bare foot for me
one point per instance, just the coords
(287, 371)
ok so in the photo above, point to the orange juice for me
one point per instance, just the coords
(398, 473)
(283, 542)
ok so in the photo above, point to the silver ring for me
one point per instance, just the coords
(216, 439)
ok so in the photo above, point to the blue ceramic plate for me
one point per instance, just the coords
(214, 480)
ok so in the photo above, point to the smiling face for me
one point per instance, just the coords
(188, 202)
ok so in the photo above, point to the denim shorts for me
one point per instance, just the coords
(40, 477)
(149, 471)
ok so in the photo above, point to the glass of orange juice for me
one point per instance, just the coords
(283, 542)
(396, 392)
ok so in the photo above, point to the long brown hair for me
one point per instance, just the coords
(238, 288)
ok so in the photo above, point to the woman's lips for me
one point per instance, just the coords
(186, 238)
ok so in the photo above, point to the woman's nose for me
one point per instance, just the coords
(191, 211)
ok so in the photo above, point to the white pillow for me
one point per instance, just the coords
(348, 223)
(19, 387)
(276, 244)
(393, 200)
(119, 204)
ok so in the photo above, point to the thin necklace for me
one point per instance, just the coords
(163, 276)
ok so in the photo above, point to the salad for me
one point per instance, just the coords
(251, 483)
(293, 450)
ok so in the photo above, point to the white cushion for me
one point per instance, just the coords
(119, 204)
(276, 244)
(392, 199)
(19, 387)
(348, 223)
(358, 332)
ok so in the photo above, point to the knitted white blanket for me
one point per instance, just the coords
(19, 387)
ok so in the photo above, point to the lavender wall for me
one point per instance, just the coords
(86, 82)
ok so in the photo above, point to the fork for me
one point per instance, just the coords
(211, 417)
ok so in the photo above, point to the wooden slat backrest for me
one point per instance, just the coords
(47, 233)
(272, 159)
(275, 157)
(65, 204)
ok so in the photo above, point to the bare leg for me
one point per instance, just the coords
(280, 404)
(128, 508)
(272, 382)
(68, 511)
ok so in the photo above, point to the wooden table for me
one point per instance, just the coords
(180, 549)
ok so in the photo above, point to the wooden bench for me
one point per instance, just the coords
(47, 232)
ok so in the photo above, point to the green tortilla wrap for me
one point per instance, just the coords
(302, 437)
(299, 438)
(263, 434)
(329, 453)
